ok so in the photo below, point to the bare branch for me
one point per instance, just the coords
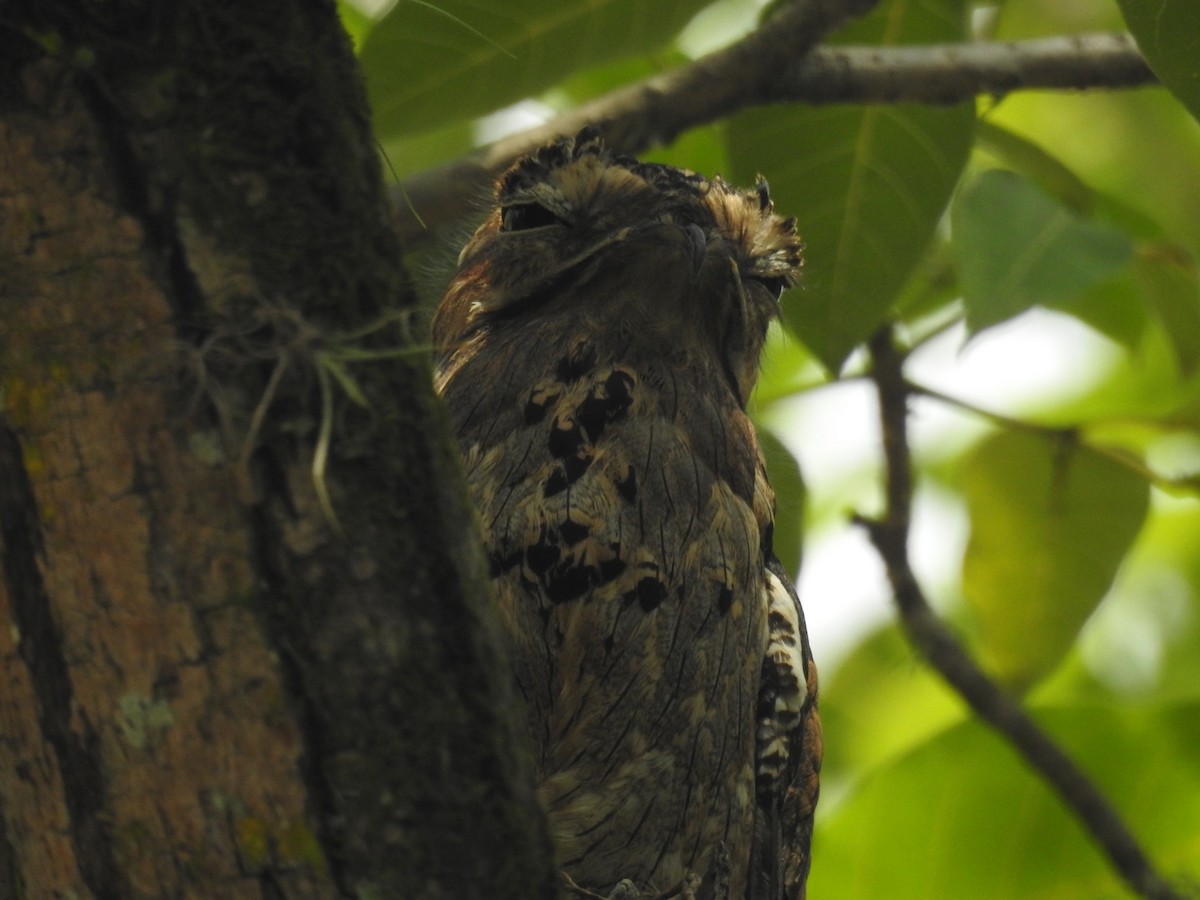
(945, 654)
(772, 65)
(952, 73)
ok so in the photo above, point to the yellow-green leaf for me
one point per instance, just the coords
(963, 817)
(1168, 278)
(1050, 523)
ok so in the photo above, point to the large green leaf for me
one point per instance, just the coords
(1017, 247)
(1169, 282)
(788, 483)
(868, 184)
(1150, 621)
(1136, 149)
(356, 22)
(1174, 549)
(1036, 163)
(963, 817)
(428, 63)
(1168, 34)
(786, 368)
(879, 703)
(1116, 307)
(1050, 523)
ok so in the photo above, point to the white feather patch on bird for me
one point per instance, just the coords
(783, 677)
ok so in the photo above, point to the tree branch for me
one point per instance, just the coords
(640, 115)
(952, 73)
(773, 65)
(945, 654)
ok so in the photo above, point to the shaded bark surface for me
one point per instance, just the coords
(208, 688)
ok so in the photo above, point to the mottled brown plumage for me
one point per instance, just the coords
(596, 350)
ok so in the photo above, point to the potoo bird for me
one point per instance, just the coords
(596, 350)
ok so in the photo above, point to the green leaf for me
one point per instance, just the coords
(868, 184)
(356, 22)
(1017, 247)
(1034, 162)
(879, 703)
(1115, 307)
(1143, 387)
(786, 369)
(700, 149)
(963, 816)
(410, 153)
(1168, 34)
(933, 285)
(1050, 523)
(1168, 279)
(786, 479)
(1153, 612)
(588, 84)
(428, 63)
(1173, 548)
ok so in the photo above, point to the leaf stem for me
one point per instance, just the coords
(1189, 484)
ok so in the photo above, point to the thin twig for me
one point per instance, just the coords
(1189, 484)
(944, 652)
(996, 418)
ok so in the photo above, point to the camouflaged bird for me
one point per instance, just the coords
(596, 350)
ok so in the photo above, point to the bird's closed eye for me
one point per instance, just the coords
(527, 216)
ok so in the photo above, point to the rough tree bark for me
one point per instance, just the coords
(207, 687)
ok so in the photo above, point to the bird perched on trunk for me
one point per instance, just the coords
(596, 350)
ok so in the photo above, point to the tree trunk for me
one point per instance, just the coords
(225, 675)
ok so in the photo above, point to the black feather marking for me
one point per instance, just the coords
(573, 532)
(627, 487)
